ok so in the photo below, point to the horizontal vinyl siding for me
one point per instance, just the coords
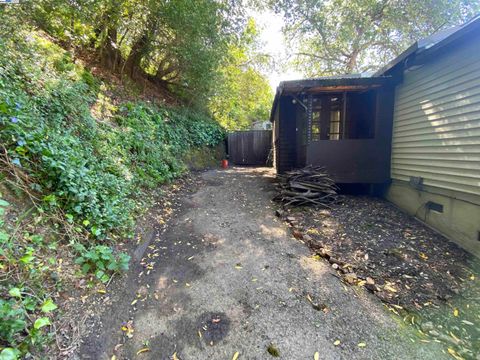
(436, 127)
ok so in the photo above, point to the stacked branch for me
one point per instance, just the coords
(308, 186)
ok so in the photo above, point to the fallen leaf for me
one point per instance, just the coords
(128, 329)
(362, 345)
(238, 266)
(101, 291)
(336, 342)
(389, 288)
(174, 356)
(142, 351)
(113, 357)
(235, 356)
(455, 312)
(454, 354)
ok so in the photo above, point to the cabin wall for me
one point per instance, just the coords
(351, 161)
(360, 160)
(275, 137)
(436, 144)
(286, 141)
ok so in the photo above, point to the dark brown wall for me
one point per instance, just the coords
(384, 123)
(360, 160)
(287, 154)
(351, 161)
(250, 147)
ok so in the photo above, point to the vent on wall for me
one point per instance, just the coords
(430, 205)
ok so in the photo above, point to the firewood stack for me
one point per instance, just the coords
(308, 186)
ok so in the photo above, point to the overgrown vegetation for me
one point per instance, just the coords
(80, 161)
(195, 49)
(244, 96)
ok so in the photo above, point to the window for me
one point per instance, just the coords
(335, 118)
(338, 116)
(326, 118)
(315, 131)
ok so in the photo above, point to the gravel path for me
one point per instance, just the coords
(227, 277)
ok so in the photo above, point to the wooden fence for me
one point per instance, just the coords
(250, 147)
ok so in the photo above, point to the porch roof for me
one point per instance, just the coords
(333, 83)
(350, 82)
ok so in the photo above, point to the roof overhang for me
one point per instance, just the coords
(332, 84)
(327, 85)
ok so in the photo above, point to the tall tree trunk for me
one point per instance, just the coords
(110, 55)
(132, 66)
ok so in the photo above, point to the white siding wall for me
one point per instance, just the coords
(436, 132)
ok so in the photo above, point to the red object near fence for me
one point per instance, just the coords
(224, 163)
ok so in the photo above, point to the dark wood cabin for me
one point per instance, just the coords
(341, 123)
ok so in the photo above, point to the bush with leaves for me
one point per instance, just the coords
(101, 261)
(85, 171)
(87, 167)
(23, 315)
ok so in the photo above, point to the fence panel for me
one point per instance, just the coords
(250, 147)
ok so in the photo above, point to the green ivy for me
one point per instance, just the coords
(90, 168)
(101, 261)
(22, 315)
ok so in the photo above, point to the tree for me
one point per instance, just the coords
(243, 95)
(178, 44)
(345, 36)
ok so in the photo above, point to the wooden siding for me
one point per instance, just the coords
(250, 147)
(351, 161)
(436, 128)
(286, 142)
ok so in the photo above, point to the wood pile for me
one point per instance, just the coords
(308, 186)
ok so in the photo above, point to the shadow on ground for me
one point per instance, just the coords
(225, 277)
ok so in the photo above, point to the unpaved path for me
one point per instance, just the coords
(229, 278)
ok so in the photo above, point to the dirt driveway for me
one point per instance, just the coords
(227, 277)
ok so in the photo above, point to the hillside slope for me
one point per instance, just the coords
(77, 163)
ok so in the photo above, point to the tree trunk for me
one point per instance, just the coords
(110, 56)
(132, 65)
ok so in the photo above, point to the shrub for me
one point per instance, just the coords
(101, 261)
(88, 167)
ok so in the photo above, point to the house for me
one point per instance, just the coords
(435, 163)
(413, 126)
(342, 123)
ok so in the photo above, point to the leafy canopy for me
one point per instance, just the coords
(345, 36)
(186, 46)
(244, 94)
